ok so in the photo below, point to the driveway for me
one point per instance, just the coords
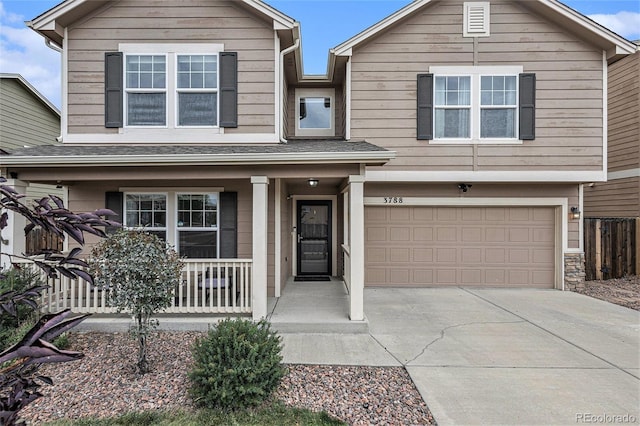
(493, 356)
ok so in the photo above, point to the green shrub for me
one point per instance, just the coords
(14, 327)
(237, 365)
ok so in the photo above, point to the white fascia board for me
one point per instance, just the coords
(280, 20)
(546, 176)
(345, 47)
(626, 47)
(44, 21)
(200, 159)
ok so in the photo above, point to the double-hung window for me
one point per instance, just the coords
(147, 212)
(198, 225)
(197, 90)
(482, 104)
(171, 86)
(146, 90)
(187, 220)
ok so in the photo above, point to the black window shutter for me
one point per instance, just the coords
(228, 225)
(113, 87)
(527, 106)
(114, 201)
(228, 89)
(425, 106)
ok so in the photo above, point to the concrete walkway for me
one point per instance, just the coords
(489, 356)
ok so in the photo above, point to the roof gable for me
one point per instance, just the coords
(615, 45)
(32, 91)
(51, 24)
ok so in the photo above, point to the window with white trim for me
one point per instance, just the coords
(315, 112)
(475, 104)
(147, 212)
(198, 225)
(172, 86)
(188, 219)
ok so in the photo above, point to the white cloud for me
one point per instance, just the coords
(627, 24)
(23, 52)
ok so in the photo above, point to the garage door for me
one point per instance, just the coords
(459, 246)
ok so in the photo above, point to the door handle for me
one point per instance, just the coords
(299, 237)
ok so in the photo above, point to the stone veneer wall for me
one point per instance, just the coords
(574, 271)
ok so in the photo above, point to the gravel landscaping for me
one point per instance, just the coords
(104, 384)
(621, 291)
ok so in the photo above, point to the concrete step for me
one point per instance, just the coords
(321, 327)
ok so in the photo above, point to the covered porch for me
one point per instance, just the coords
(256, 194)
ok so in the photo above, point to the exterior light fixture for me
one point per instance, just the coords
(464, 187)
(575, 213)
(313, 182)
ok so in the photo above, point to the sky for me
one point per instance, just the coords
(22, 51)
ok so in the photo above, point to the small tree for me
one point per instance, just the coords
(141, 274)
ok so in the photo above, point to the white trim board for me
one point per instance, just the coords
(624, 174)
(546, 176)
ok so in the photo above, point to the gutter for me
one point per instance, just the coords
(199, 159)
(284, 52)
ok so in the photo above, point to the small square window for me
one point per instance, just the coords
(315, 112)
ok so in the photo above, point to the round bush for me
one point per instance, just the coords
(237, 365)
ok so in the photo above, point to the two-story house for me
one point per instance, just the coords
(446, 146)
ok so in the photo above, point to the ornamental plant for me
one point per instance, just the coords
(20, 381)
(140, 273)
(238, 365)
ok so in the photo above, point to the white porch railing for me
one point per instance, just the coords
(208, 286)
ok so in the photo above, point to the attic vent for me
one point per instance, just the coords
(476, 19)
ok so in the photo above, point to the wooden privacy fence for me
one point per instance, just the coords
(38, 239)
(612, 247)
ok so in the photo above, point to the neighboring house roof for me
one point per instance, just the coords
(33, 90)
(615, 45)
(51, 23)
(299, 151)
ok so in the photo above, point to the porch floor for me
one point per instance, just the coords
(313, 307)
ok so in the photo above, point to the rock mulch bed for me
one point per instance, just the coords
(621, 291)
(105, 384)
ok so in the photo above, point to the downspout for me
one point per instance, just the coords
(286, 51)
(53, 46)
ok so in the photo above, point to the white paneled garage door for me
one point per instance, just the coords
(459, 246)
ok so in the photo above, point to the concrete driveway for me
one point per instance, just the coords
(489, 356)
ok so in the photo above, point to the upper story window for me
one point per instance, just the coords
(146, 90)
(187, 83)
(315, 112)
(171, 86)
(483, 104)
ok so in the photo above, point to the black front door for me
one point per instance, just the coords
(314, 237)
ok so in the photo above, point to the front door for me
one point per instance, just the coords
(314, 237)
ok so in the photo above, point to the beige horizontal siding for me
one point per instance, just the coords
(624, 114)
(569, 89)
(24, 119)
(616, 198)
(172, 21)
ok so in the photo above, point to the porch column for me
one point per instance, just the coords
(260, 208)
(356, 243)
(13, 240)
